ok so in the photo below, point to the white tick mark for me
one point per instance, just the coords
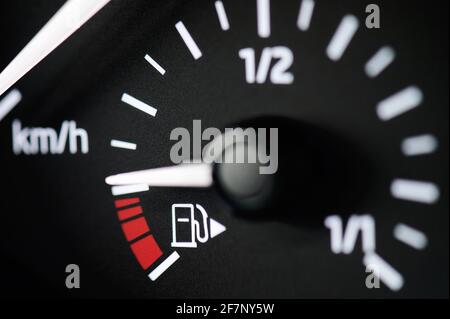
(391, 277)
(128, 99)
(9, 102)
(416, 191)
(342, 37)
(128, 189)
(155, 64)
(419, 145)
(305, 14)
(123, 144)
(222, 15)
(263, 17)
(188, 40)
(379, 62)
(410, 236)
(399, 103)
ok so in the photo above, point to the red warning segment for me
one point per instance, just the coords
(126, 202)
(135, 228)
(129, 212)
(146, 251)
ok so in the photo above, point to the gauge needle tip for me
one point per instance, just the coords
(69, 18)
(183, 175)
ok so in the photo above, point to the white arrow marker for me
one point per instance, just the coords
(215, 228)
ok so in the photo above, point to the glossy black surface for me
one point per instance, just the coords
(57, 210)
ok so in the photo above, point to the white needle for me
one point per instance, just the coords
(183, 175)
(69, 18)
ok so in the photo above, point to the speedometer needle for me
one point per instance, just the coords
(183, 175)
(69, 18)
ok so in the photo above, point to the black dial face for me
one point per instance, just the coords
(105, 146)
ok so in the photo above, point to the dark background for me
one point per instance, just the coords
(57, 210)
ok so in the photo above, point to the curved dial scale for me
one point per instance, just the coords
(362, 179)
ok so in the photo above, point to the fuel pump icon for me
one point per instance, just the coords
(190, 226)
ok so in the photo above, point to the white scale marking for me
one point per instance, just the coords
(410, 236)
(155, 64)
(399, 103)
(222, 15)
(128, 99)
(380, 61)
(128, 189)
(391, 277)
(162, 267)
(305, 14)
(416, 191)
(123, 144)
(342, 37)
(9, 102)
(419, 145)
(263, 18)
(188, 40)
